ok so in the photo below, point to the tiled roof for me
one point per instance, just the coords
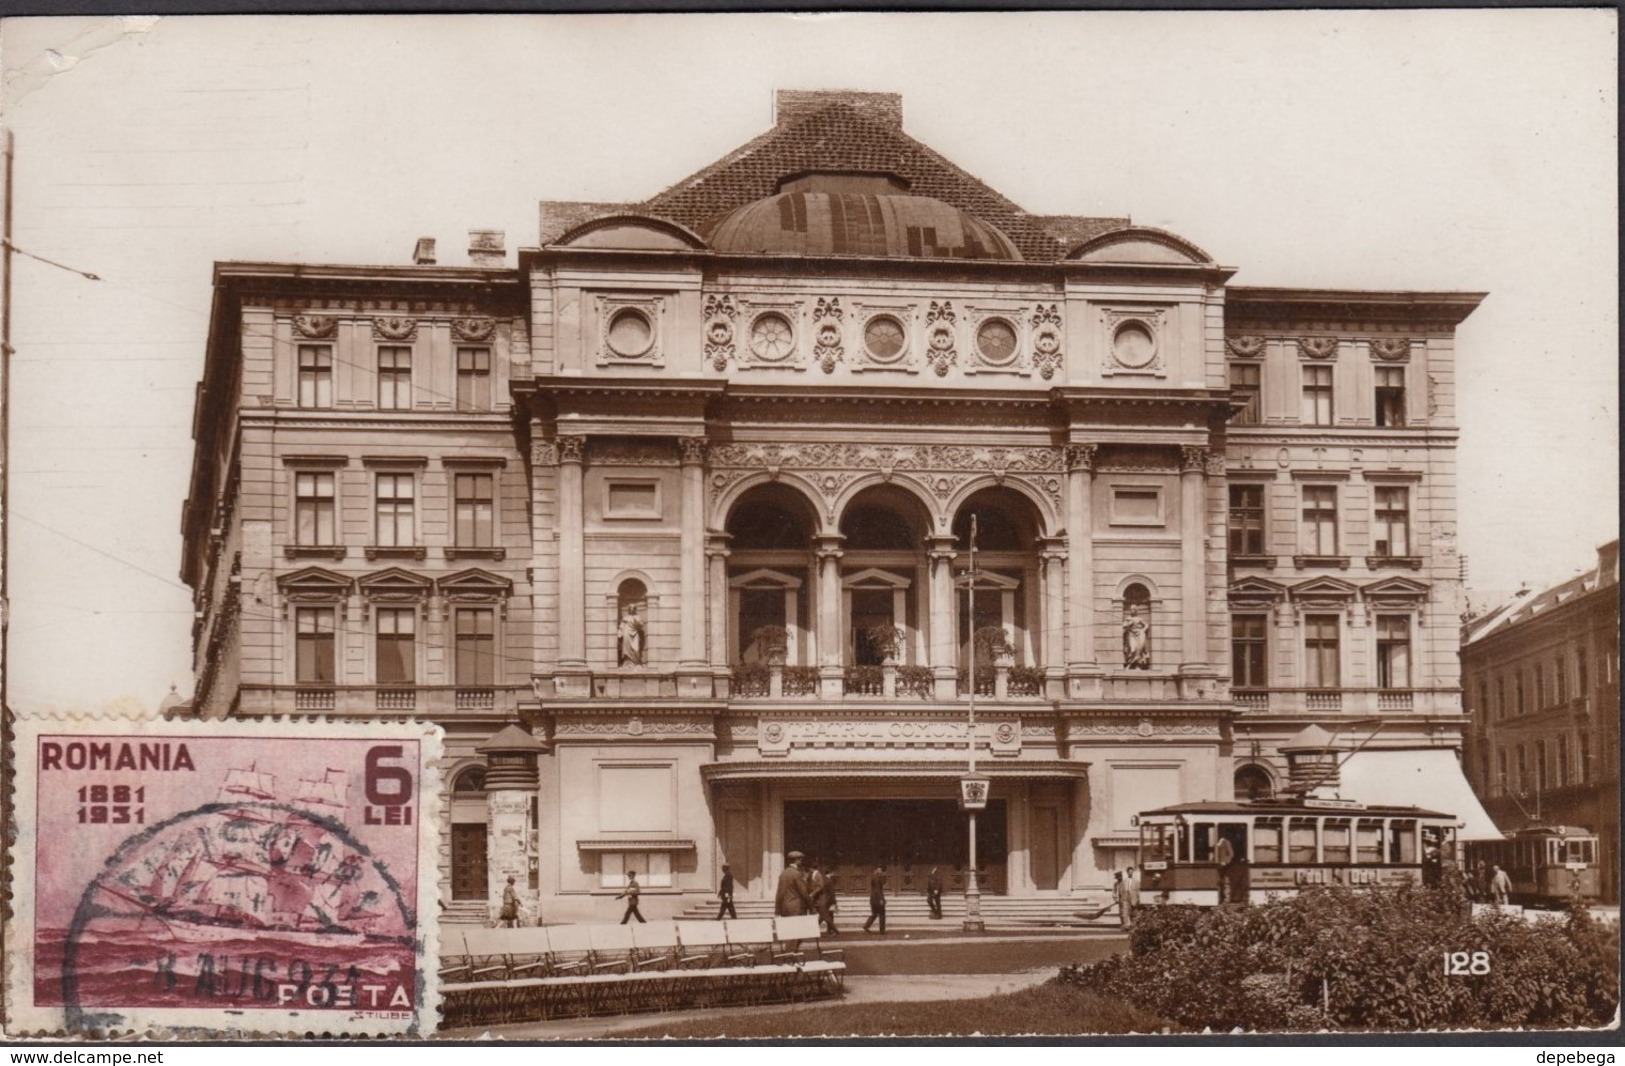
(841, 137)
(1528, 604)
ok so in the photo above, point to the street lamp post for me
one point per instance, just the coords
(972, 790)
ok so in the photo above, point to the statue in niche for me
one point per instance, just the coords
(630, 635)
(1136, 640)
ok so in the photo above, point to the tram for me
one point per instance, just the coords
(1236, 851)
(1547, 864)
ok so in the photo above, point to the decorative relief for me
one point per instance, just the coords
(1005, 733)
(633, 727)
(1081, 457)
(316, 327)
(719, 330)
(1046, 324)
(1433, 399)
(1192, 460)
(1130, 459)
(543, 453)
(390, 328)
(1143, 728)
(632, 453)
(571, 449)
(940, 346)
(1317, 347)
(1133, 341)
(1391, 349)
(1245, 347)
(1215, 464)
(827, 346)
(691, 450)
(946, 486)
(474, 330)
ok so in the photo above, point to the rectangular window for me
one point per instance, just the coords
(314, 638)
(1519, 705)
(1246, 520)
(1300, 836)
(1368, 841)
(475, 646)
(313, 510)
(1582, 674)
(395, 378)
(1317, 396)
(1500, 697)
(473, 379)
(1320, 520)
(1335, 843)
(1244, 388)
(1523, 770)
(1392, 534)
(1583, 769)
(652, 867)
(474, 500)
(315, 375)
(1501, 765)
(397, 657)
(1540, 686)
(1321, 648)
(1267, 841)
(1249, 650)
(1390, 396)
(1561, 777)
(1393, 651)
(396, 509)
(1560, 680)
(1542, 776)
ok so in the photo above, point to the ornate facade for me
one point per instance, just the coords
(687, 499)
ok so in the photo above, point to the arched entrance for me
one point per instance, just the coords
(1008, 580)
(770, 575)
(883, 578)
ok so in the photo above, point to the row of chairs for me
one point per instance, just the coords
(495, 976)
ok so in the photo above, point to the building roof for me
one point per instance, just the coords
(889, 225)
(861, 133)
(1529, 604)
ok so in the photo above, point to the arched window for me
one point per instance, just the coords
(470, 780)
(1252, 782)
(631, 625)
(1137, 627)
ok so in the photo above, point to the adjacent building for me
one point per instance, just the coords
(1541, 677)
(670, 524)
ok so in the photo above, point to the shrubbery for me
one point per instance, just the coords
(1335, 959)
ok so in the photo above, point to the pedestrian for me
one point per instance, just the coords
(1480, 884)
(509, 915)
(792, 899)
(823, 896)
(1120, 897)
(1131, 882)
(1224, 853)
(877, 900)
(1500, 886)
(630, 894)
(725, 895)
(933, 892)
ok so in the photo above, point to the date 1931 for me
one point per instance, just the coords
(1465, 964)
(112, 805)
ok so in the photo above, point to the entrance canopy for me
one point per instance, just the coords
(1429, 778)
(890, 770)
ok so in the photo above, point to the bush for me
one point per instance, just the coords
(1335, 959)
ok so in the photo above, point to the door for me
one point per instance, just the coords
(468, 871)
(737, 851)
(1044, 847)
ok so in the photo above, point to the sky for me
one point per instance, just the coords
(1451, 150)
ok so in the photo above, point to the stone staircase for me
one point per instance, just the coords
(908, 912)
(465, 912)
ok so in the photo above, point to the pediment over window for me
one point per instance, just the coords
(475, 584)
(395, 584)
(313, 584)
(1395, 591)
(765, 578)
(986, 579)
(638, 232)
(1140, 244)
(1256, 592)
(874, 578)
(1324, 592)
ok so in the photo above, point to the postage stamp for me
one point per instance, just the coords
(254, 877)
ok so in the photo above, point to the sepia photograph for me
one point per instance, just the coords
(887, 526)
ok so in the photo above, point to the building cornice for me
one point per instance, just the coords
(1249, 303)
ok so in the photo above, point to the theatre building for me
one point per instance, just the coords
(668, 521)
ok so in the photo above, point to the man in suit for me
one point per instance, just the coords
(823, 895)
(792, 898)
(877, 900)
(933, 892)
(725, 893)
(631, 896)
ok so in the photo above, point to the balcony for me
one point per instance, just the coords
(431, 701)
(1346, 700)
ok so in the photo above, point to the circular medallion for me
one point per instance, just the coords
(942, 339)
(996, 341)
(1145, 729)
(721, 331)
(1048, 342)
(829, 335)
(773, 732)
(884, 338)
(630, 334)
(1005, 733)
(771, 339)
(1133, 346)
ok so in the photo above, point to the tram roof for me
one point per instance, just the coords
(1552, 830)
(1272, 808)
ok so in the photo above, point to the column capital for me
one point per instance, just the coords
(691, 450)
(717, 544)
(571, 449)
(828, 545)
(1081, 457)
(1192, 460)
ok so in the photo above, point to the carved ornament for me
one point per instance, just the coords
(1192, 460)
(571, 449)
(940, 349)
(1081, 457)
(391, 328)
(473, 330)
(631, 453)
(719, 330)
(1046, 323)
(1391, 349)
(316, 327)
(691, 450)
(1317, 347)
(828, 348)
(1131, 459)
(1245, 347)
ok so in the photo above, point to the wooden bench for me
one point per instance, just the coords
(538, 973)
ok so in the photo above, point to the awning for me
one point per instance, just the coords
(891, 770)
(636, 844)
(1429, 778)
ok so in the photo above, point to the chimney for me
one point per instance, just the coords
(793, 105)
(423, 254)
(485, 248)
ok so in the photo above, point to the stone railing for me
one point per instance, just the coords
(1345, 700)
(433, 701)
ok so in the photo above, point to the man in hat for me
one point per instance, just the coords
(630, 894)
(877, 899)
(792, 898)
(725, 894)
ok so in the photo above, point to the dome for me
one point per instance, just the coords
(866, 224)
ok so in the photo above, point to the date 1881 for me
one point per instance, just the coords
(112, 805)
(1464, 964)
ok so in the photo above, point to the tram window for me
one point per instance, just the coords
(1402, 847)
(1301, 840)
(1158, 841)
(1552, 852)
(1267, 842)
(1204, 843)
(1336, 844)
(1368, 841)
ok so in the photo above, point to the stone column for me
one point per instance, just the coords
(572, 557)
(716, 554)
(1050, 645)
(691, 644)
(831, 684)
(944, 663)
(1080, 562)
(1192, 557)
(511, 782)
